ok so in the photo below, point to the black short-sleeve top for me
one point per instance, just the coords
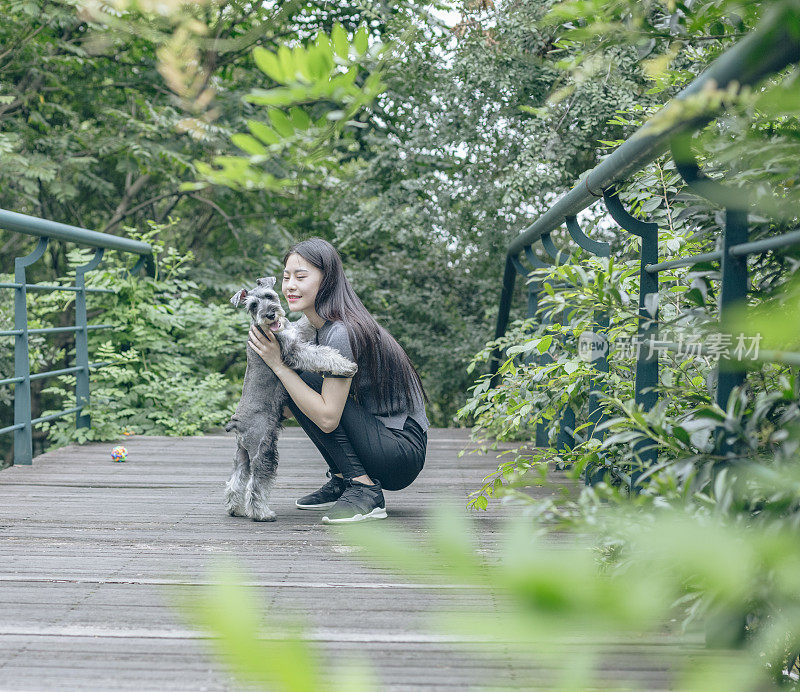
(334, 334)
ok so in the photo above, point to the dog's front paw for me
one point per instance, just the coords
(267, 515)
(345, 369)
(255, 503)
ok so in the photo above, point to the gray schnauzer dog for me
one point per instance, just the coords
(258, 417)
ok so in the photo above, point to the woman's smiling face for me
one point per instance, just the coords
(301, 281)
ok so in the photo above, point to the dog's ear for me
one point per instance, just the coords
(238, 297)
(268, 281)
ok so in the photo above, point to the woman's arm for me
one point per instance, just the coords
(324, 408)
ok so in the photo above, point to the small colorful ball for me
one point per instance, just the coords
(119, 454)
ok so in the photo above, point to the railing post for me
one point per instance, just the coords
(646, 364)
(509, 280)
(732, 293)
(599, 327)
(23, 437)
(733, 267)
(533, 305)
(82, 340)
(565, 438)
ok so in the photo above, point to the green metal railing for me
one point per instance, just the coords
(766, 51)
(47, 230)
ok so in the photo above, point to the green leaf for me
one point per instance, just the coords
(325, 50)
(340, 43)
(780, 101)
(299, 118)
(545, 343)
(302, 69)
(280, 96)
(527, 347)
(288, 68)
(318, 64)
(693, 295)
(281, 123)
(361, 40)
(707, 412)
(249, 144)
(269, 64)
(265, 133)
(681, 434)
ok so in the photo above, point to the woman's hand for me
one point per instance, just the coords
(267, 347)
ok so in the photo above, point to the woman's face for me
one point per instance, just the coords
(301, 281)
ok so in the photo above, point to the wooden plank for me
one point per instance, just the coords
(93, 555)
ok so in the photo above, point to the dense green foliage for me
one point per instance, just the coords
(421, 190)
(532, 391)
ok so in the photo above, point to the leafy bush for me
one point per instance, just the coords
(543, 373)
(167, 351)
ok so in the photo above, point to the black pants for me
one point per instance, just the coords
(362, 444)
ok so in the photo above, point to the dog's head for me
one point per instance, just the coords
(263, 304)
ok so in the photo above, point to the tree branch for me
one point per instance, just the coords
(131, 190)
(222, 213)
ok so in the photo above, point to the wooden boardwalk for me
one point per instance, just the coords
(91, 553)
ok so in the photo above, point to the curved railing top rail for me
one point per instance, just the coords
(768, 49)
(30, 225)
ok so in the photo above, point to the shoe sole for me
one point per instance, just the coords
(324, 505)
(377, 513)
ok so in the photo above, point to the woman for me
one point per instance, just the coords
(372, 428)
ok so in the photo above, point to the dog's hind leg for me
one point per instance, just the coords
(237, 484)
(263, 469)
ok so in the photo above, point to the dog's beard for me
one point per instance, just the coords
(273, 325)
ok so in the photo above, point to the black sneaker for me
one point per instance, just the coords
(358, 502)
(326, 496)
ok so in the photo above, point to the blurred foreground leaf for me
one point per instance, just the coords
(277, 654)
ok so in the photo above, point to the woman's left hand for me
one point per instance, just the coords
(265, 346)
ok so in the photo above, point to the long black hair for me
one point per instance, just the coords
(388, 364)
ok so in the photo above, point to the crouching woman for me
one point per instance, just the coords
(371, 429)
